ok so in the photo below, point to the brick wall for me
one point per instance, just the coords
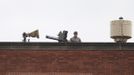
(66, 62)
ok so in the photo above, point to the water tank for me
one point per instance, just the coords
(121, 30)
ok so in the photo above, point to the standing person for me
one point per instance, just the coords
(75, 38)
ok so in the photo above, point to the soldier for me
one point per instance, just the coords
(75, 38)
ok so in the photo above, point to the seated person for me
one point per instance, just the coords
(75, 38)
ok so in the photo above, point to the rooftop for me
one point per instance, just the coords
(66, 46)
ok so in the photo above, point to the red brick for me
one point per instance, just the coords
(67, 61)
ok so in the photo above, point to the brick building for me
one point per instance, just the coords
(18, 58)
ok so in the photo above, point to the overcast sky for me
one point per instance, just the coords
(91, 18)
